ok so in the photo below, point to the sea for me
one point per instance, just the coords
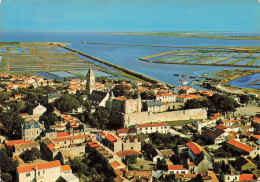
(142, 46)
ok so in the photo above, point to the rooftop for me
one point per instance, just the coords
(128, 153)
(65, 168)
(176, 167)
(240, 145)
(11, 143)
(151, 125)
(195, 148)
(45, 165)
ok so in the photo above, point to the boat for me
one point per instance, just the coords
(175, 74)
(185, 75)
(184, 83)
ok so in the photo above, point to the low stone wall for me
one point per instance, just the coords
(147, 117)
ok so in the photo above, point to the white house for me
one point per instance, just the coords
(47, 171)
(177, 169)
(166, 97)
(38, 110)
(153, 127)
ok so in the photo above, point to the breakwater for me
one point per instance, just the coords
(130, 72)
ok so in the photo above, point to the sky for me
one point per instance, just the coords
(130, 15)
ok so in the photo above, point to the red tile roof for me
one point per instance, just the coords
(111, 138)
(256, 120)
(216, 116)
(151, 125)
(240, 145)
(246, 177)
(66, 138)
(115, 164)
(176, 167)
(191, 164)
(167, 95)
(122, 131)
(11, 143)
(128, 153)
(221, 127)
(65, 168)
(121, 98)
(51, 146)
(93, 144)
(256, 136)
(195, 148)
(62, 134)
(45, 165)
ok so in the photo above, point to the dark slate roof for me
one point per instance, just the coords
(97, 96)
(212, 134)
(242, 161)
(54, 95)
(151, 103)
(28, 125)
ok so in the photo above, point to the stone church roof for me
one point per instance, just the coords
(97, 96)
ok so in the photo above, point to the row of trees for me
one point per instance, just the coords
(91, 169)
(10, 124)
(215, 103)
(162, 141)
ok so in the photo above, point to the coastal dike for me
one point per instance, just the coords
(149, 117)
(132, 73)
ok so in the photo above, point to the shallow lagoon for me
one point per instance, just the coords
(128, 56)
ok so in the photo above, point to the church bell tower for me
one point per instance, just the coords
(90, 85)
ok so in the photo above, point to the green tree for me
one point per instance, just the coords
(67, 102)
(101, 118)
(8, 166)
(18, 106)
(31, 97)
(30, 155)
(49, 119)
(244, 99)
(11, 124)
(161, 165)
(132, 159)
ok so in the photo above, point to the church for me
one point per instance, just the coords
(128, 111)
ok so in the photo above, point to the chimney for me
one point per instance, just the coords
(232, 171)
(136, 140)
(127, 140)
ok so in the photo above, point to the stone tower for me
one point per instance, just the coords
(111, 98)
(90, 85)
(139, 102)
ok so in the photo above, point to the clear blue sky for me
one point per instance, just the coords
(130, 15)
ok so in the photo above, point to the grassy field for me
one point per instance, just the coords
(180, 122)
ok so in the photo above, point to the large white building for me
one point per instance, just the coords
(45, 172)
(153, 127)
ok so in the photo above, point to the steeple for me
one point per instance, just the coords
(90, 85)
(138, 94)
(111, 94)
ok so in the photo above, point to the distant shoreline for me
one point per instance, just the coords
(189, 35)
